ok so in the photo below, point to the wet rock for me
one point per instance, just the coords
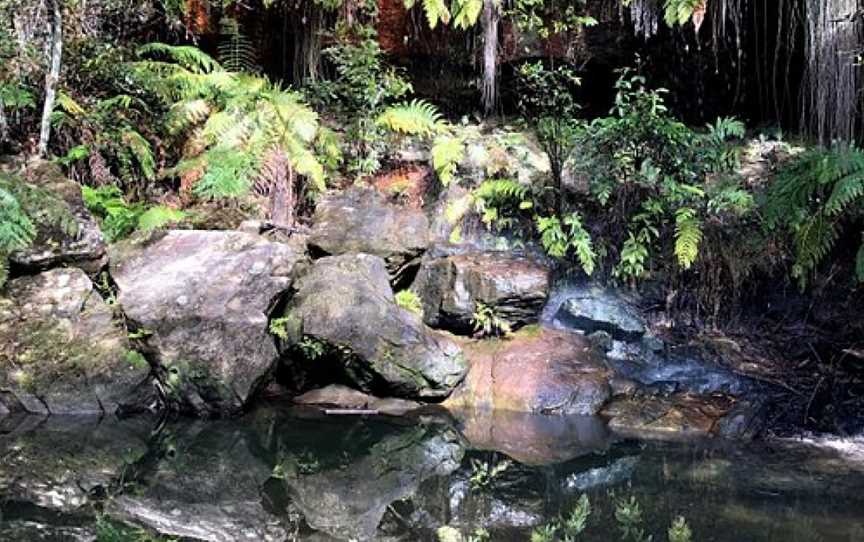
(619, 471)
(346, 301)
(202, 481)
(64, 463)
(361, 220)
(345, 397)
(61, 351)
(680, 416)
(349, 503)
(201, 300)
(32, 531)
(451, 288)
(533, 439)
(591, 309)
(537, 370)
(54, 247)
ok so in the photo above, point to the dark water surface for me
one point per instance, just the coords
(283, 474)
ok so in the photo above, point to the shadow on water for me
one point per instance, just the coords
(289, 474)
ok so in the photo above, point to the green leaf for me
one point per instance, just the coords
(158, 217)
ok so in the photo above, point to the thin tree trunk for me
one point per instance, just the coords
(282, 192)
(4, 125)
(53, 75)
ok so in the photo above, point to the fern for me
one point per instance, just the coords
(557, 243)
(813, 196)
(158, 217)
(688, 236)
(235, 51)
(186, 56)
(142, 151)
(415, 118)
(447, 152)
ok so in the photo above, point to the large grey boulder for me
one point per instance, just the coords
(451, 287)
(201, 299)
(346, 301)
(61, 351)
(83, 246)
(592, 308)
(361, 220)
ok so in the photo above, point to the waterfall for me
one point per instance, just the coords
(489, 84)
(833, 39)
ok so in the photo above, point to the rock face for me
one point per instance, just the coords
(52, 246)
(592, 309)
(345, 397)
(361, 220)
(451, 287)
(202, 299)
(60, 350)
(347, 301)
(536, 371)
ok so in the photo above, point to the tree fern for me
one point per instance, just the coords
(414, 118)
(688, 236)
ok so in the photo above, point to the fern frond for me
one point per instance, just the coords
(228, 173)
(581, 242)
(187, 56)
(142, 151)
(447, 152)
(688, 236)
(158, 217)
(414, 118)
(68, 104)
(846, 191)
(814, 240)
(235, 51)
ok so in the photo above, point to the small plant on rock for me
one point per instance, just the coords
(410, 301)
(487, 322)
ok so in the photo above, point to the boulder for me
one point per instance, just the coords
(202, 480)
(538, 371)
(346, 301)
(61, 352)
(678, 416)
(591, 309)
(53, 246)
(338, 396)
(201, 301)
(451, 287)
(349, 500)
(361, 220)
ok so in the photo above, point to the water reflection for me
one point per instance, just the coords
(282, 474)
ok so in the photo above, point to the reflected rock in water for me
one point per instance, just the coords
(348, 501)
(62, 463)
(202, 480)
(533, 439)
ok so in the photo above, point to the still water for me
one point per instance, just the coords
(288, 474)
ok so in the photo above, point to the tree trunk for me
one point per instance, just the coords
(53, 75)
(4, 126)
(282, 192)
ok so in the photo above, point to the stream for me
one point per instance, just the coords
(283, 473)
